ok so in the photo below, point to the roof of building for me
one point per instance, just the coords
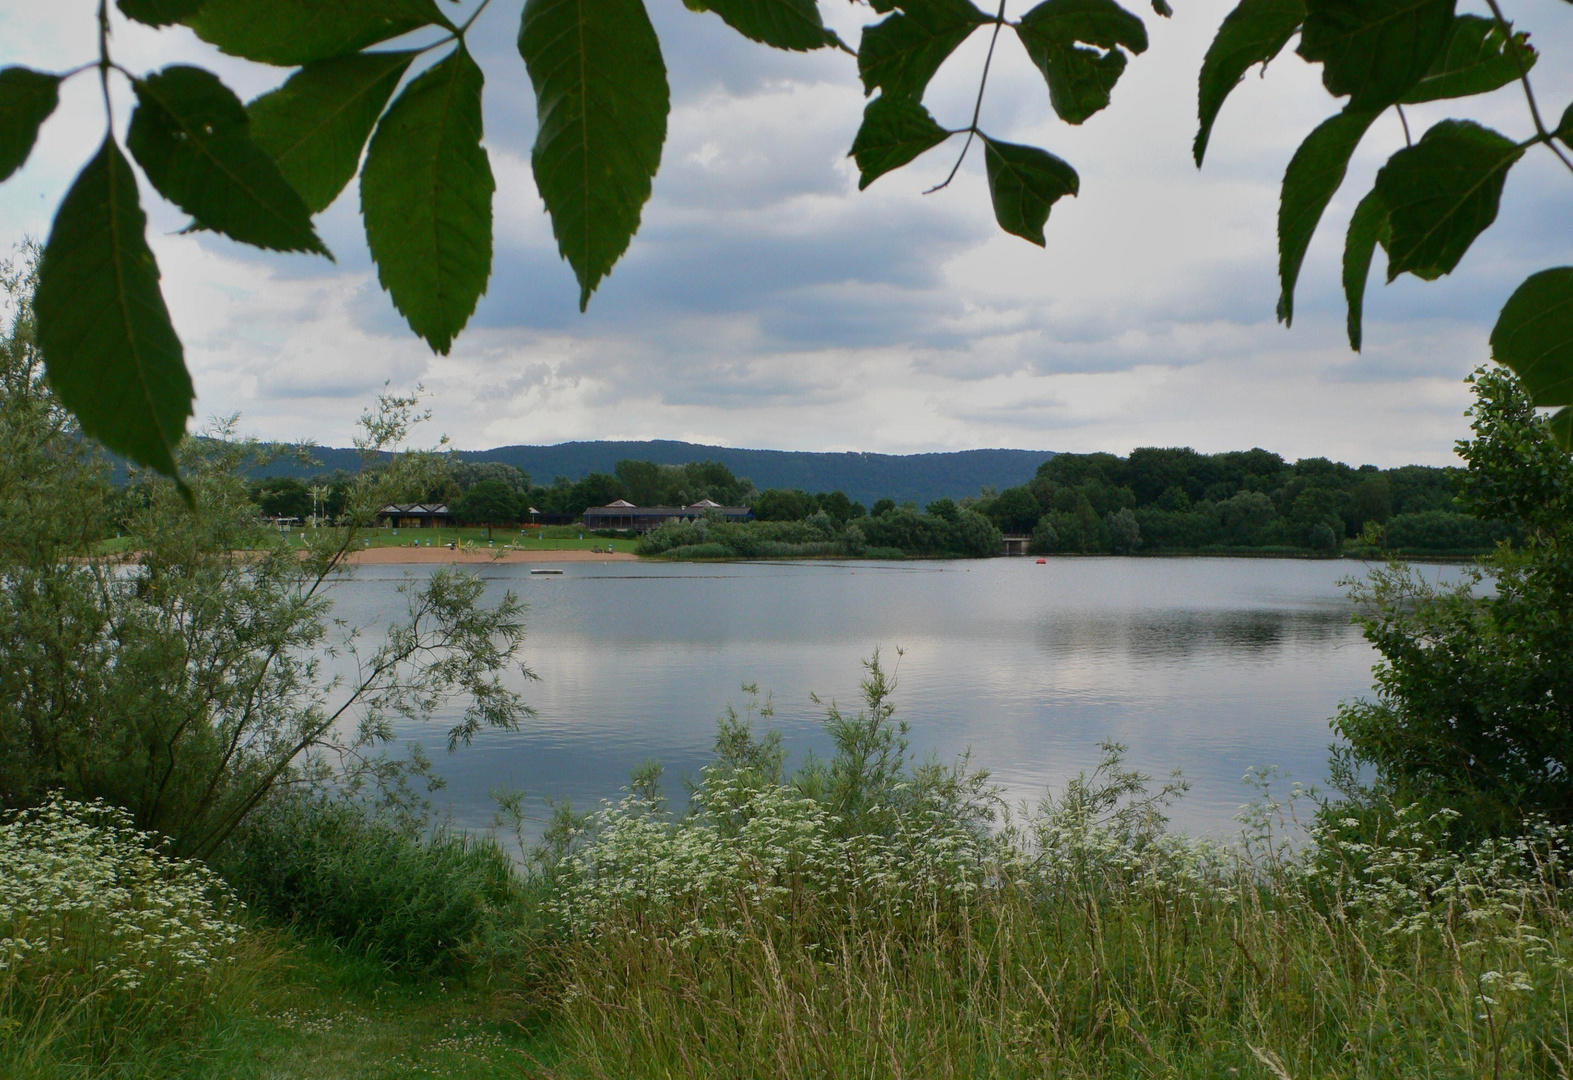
(622, 508)
(415, 509)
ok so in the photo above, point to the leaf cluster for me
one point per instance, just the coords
(408, 121)
(1437, 193)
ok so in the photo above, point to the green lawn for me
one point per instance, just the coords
(550, 539)
(553, 540)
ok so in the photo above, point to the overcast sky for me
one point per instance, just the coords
(768, 303)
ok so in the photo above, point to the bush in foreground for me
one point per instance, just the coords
(1474, 686)
(411, 901)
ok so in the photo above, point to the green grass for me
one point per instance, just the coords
(554, 539)
(326, 1015)
(115, 545)
(548, 539)
(311, 1012)
(1118, 963)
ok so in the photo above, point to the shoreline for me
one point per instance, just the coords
(395, 556)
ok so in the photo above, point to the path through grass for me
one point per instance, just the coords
(332, 1017)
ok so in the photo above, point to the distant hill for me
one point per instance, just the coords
(918, 478)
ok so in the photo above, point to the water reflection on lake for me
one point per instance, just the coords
(1209, 665)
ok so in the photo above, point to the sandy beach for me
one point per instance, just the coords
(392, 556)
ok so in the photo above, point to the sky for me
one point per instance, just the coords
(766, 302)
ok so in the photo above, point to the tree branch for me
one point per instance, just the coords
(977, 106)
(1523, 78)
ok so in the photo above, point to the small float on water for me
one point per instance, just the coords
(545, 570)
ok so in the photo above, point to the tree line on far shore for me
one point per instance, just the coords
(1157, 500)
(1175, 500)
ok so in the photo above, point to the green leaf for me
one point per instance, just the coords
(1094, 22)
(601, 98)
(316, 125)
(1477, 59)
(1565, 126)
(291, 32)
(1534, 336)
(1313, 176)
(1080, 79)
(158, 12)
(27, 98)
(426, 196)
(1253, 33)
(1560, 424)
(1442, 193)
(109, 349)
(784, 24)
(1162, 8)
(1374, 50)
(1024, 183)
(901, 53)
(1368, 227)
(192, 138)
(895, 130)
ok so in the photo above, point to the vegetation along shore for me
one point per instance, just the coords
(1153, 501)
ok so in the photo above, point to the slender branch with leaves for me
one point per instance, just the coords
(257, 172)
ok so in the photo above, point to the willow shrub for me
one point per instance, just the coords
(869, 917)
(106, 941)
(183, 681)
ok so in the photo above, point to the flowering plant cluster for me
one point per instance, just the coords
(1497, 903)
(776, 849)
(90, 905)
(771, 849)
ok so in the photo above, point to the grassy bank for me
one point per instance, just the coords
(867, 916)
(307, 1011)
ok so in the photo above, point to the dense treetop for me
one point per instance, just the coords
(1177, 499)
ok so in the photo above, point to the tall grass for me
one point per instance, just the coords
(772, 934)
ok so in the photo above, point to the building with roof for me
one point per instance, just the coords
(415, 515)
(625, 516)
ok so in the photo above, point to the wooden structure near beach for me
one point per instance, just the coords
(626, 517)
(415, 515)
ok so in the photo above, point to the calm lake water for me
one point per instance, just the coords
(1213, 666)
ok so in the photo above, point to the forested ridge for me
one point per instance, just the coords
(864, 476)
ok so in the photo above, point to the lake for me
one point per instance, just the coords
(1209, 665)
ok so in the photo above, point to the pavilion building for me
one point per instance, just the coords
(626, 517)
